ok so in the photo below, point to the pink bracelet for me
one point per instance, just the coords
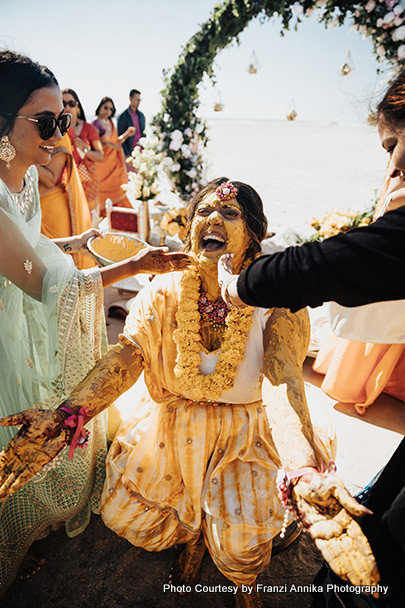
(284, 487)
(80, 436)
(284, 479)
(283, 483)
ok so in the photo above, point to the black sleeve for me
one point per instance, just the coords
(363, 266)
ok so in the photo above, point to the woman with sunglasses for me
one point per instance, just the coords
(51, 314)
(111, 172)
(87, 150)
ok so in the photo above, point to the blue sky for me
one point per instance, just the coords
(106, 48)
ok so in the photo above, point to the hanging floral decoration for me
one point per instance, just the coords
(182, 132)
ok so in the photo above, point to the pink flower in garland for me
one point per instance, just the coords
(226, 191)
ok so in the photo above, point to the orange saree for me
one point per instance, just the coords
(112, 172)
(358, 372)
(64, 207)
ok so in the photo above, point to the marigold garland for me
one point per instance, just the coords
(187, 339)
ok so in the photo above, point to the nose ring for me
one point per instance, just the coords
(402, 175)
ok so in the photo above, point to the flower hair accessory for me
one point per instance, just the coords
(226, 191)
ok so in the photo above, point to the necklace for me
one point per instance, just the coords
(213, 311)
(188, 341)
(23, 199)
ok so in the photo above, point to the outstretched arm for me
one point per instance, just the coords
(320, 499)
(44, 434)
(110, 377)
(351, 269)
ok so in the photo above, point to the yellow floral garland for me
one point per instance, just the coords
(187, 339)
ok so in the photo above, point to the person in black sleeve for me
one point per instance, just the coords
(363, 266)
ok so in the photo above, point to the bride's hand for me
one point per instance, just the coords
(327, 510)
(158, 260)
(41, 438)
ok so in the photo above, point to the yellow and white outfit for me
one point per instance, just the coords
(180, 466)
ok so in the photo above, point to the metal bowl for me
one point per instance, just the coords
(114, 247)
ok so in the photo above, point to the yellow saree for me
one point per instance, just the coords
(181, 466)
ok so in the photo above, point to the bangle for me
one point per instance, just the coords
(227, 298)
(85, 151)
(79, 436)
(284, 486)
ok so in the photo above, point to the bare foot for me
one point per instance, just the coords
(30, 565)
(185, 569)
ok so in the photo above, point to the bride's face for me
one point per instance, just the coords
(218, 227)
(30, 148)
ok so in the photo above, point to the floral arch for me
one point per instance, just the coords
(180, 129)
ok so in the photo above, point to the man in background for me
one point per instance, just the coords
(132, 117)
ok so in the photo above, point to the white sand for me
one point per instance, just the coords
(300, 169)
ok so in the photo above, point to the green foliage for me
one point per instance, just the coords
(180, 102)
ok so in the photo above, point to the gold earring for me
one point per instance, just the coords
(7, 150)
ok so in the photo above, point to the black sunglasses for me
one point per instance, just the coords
(48, 124)
(70, 103)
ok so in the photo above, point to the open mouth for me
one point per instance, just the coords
(212, 242)
(48, 149)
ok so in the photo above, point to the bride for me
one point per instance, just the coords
(199, 461)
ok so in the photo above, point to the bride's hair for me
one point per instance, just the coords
(20, 77)
(252, 212)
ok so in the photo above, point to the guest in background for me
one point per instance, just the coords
(132, 117)
(87, 150)
(111, 172)
(64, 207)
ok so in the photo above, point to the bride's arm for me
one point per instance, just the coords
(112, 375)
(285, 342)
(43, 434)
(320, 500)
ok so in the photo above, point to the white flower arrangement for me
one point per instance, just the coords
(184, 160)
(147, 160)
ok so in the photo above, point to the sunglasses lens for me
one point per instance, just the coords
(47, 127)
(64, 123)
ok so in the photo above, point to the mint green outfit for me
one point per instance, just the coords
(46, 348)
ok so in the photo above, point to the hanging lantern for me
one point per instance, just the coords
(218, 105)
(291, 111)
(254, 64)
(347, 65)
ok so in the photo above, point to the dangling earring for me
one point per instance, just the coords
(7, 150)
